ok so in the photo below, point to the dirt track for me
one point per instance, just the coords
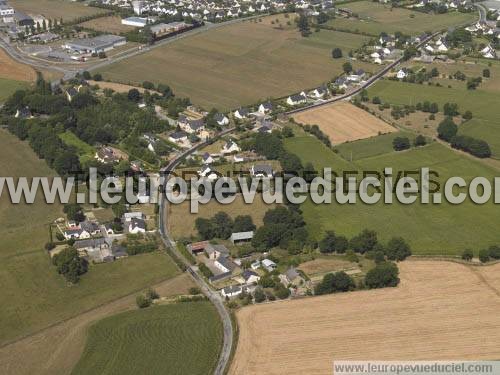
(343, 122)
(441, 311)
(57, 349)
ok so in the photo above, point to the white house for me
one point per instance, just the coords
(269, 265)
(232, 291)
(265, 107)
(401, 74)
(178, 137)
(255, 265)
(230, 147)
(250, 277)
(207, 158)
(261, 170)
(137, 226)
(318, 93)
(207, 172)
(488, 52)
(296, 99)
(241, 113)
(128, 216)
(221, 119)
(224, 264)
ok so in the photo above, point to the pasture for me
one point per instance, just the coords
(181, 222)
(344, 122)
(240, 64)
(55, 9)
(183, 338)
(440, 311)
(9, 86)
(365, 148)
(449, 229)
(482, 103)
(375, 18)
(56, 350)
(37, 295)
(85, 151)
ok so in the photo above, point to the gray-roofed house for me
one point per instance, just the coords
(216, 251)
(261, 170)
(241, 113)
(232, 291)
(137, 226)
(225, 264)
(221, 119)
(91, 227)
(292, 276)
(240, 237)
(250, 277)
(296, 99)
(178, 136)
(265, 107)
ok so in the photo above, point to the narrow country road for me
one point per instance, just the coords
(212, 295)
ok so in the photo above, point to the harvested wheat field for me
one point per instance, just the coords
(58, 348)
(440, 311)
(344, 122)
(118, 87)
(13, 70)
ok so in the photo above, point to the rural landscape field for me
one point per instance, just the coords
(433, 315)
(166, 205)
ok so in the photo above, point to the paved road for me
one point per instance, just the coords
(212, 295)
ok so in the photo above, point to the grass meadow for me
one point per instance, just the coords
(85, 151)
(35, 295)
(375, 18)
(9, 86)
(181, 339)
(242, 63)
(434, 229)
(483, 104)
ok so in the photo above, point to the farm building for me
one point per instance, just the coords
(240, 237)
(225, 264)
(269, 265)
(196, 248)
(135, 21)
(216, 251)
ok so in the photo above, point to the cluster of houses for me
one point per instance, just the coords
(210, 10)
(483, 28)
(98, 242)
(218, 259)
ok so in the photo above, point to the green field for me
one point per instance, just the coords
(85, 151)
(55, 9)
(241, 63)
(364, 148)
(35, 295)
(375, 18)
(8, 86)
(482, 103)
(431, 229)
(180, 339)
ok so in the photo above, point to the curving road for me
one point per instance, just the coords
(212, 295)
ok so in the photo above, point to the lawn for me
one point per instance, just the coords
(375, 18)
(430, 229)
(55, 9)
(9, 86)
(183, 338)
(37, 296)
(241, 63)
(482, 103)
(85, 151)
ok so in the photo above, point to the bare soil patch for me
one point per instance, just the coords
(440, 311)
(110, 24)
(344, 122)
(57, 349)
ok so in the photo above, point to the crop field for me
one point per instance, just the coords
(183, 338)
(68, 10)
(58, 349)
(432, 315)
(481, 103)
(181, 221)
(241, 63)
(111, 24)
(344, 122)
(11, 70)
(449, 229)
(37, 295)
(375, 18)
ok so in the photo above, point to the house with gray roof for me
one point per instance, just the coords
(261, 170)
(225, 264)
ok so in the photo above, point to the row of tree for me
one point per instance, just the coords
(221, 226)
(447, 131)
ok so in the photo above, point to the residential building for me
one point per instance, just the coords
(225, 264)
(232, 291)
(216, 251)
(250, 277)
(296, 99)
(230, 147)
(261, 170)
(137, 226)
(269, 265)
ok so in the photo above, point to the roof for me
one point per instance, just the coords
(178, 135)
(248, 273)
(198, 245)
(267, 105)
(232, 289)
(268, 262)
(219, 117)
(89, 226)
(226, 262)
(262, 168)
(242, 111)
(292, 274)
(91, 242)
(138, 223)
(241, 236)
(297, 97)
(219, 248)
